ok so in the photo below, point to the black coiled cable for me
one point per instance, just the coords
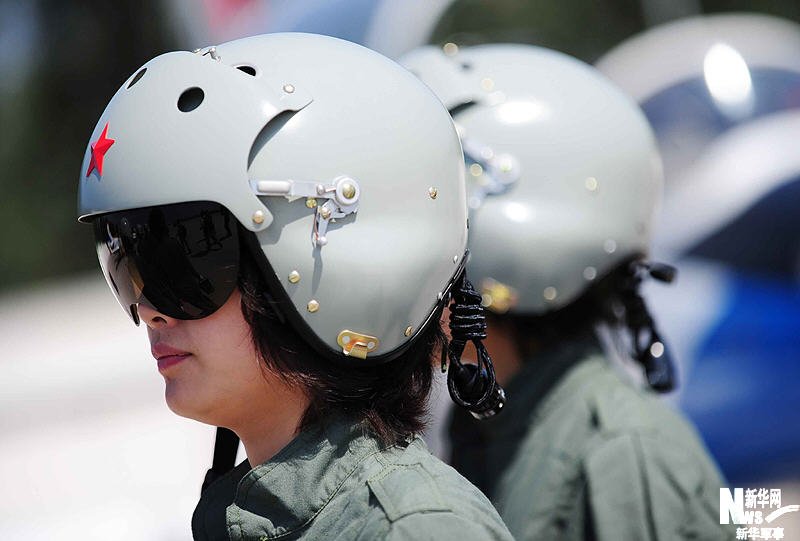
(648, 347)
(471, 386)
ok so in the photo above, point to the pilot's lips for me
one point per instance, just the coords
(167, 356)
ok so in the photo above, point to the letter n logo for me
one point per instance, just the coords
(731, 506)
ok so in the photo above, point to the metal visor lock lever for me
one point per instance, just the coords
(341, 197)
(356, 344)
(497, 172)
(208, 51)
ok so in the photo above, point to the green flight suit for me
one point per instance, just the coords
(580, 454)
(338, 482)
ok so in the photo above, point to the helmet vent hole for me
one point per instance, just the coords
(249, 70)
(466, 66)
(460, 108)
(139, 75)
(190, 99)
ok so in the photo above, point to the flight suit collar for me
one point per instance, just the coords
(298, 482)
(481, 450)
(540, 379)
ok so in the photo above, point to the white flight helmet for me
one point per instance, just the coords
(312, 144)
(563, 172)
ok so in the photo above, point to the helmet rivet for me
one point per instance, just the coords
(312, 306)
(450, 49)
(591, 184)
(455, 259)
(487, 84)
(348, 190)
(408, 330)
(325, 212)
(550, 293)
(590, 273)
(294, 277)
(311, 202)
(288, 88)
(258, 217)
(475, 170)
(433, 192)
(610, 246)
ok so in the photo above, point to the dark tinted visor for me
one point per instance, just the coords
(181, 259)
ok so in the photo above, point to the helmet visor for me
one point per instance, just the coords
(181, 259)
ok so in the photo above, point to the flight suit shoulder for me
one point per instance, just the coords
(404, 489)
(648, 464)
(619, 407)
(422, 498)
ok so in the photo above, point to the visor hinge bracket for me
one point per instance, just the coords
(209, 51)
(342, 196)
(497, 172)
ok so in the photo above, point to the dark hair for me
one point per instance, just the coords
(390, 398)
(604, 301)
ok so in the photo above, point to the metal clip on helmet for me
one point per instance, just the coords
(563, 170)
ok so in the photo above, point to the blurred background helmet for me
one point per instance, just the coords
(723, 95)
(696, 78)
(563, 170)
(313, 144)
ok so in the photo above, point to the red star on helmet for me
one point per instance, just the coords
(99, 149)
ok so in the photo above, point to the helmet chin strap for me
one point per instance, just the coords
(471, 386)
(226, 446)
(648, 347)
